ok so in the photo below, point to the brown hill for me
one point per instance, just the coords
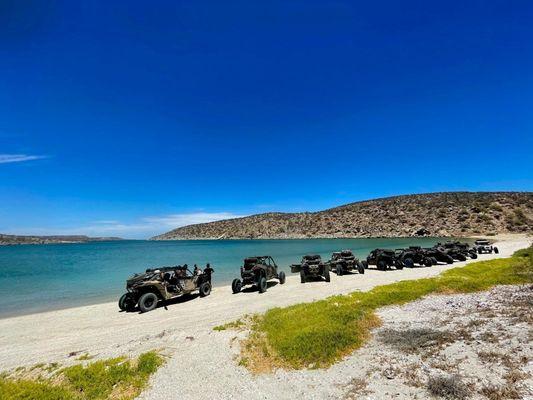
(19, 239)
(434, 214)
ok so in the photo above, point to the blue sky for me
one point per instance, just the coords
(131, 117)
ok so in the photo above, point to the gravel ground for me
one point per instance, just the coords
(474, 346)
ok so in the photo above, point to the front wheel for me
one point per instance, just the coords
(382, 265)
(236, 285)
(360, 268)
(398, 264)
(428, 262)
(408, 262)
(262, 284)
(205, 289)
(473, 256)
(338, 269)
(126, 302)
(281, 277)
(148, 302)
(302, 276)
(326, 274)
(496, 251)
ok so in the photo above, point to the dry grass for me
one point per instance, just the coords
(448, 387)
(356, 387)
(414, 340)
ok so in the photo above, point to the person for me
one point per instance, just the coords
(197, 271)
(208, 271)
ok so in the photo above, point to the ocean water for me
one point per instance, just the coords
(35, 278)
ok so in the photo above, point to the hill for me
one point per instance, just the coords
(433, 214)
(18, 239)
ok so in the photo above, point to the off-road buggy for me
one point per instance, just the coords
(160, 284)
(459, 247)
(257, 271)
(383, 259)
(439, 255)
(484, 246)
(344, 261)
(311, 267)
(415, 255)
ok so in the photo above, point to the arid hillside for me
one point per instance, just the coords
(18, 239)
(435, 214)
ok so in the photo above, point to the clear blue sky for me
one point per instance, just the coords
(132, 117)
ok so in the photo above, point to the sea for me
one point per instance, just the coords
(37, 278)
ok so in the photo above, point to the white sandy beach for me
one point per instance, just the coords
(185, 332)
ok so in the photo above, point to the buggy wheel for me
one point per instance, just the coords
(479, 251)
(205, 289)
(408, 262)
(302, 276)
(148, 302)
(281, 277)
(338, 269)
(398, 264)
(236, 285)
(126, 302)
(496, 251)
(434, 260)
(449, 260)
(473, 256)
(360, 268)
(461, 257)
(326, 274)
(365, 264)
(262, 284)
(382, 265)
(428, 262)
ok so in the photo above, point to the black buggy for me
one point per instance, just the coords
(462, 248)
(439, 255)
(344, 261)
(383, 259)
(415, 255)
(257, 271)
(311, 267)
(156, 285)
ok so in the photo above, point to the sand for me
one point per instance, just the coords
(200, 359)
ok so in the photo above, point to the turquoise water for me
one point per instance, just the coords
(36, 278)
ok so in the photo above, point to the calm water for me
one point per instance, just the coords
(36, 278)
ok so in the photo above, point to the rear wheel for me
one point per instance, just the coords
(398, 264)
(236, 285)
(338, 269)
(360, 268)
(326, 274)
(365, 264)
(205, 289)
(473, 256)
(496, 251)
(148, 302)
(281, 277)
(428, 262)
(449, 260)
(262, 284)
(302, 276)
(434, 260)
(382, 265)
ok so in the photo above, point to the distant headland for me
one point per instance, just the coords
(6, 240)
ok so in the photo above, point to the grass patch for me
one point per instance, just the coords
(117, 378)
(447, 387)
(315, 335)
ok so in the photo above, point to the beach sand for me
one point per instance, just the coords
(201, 361)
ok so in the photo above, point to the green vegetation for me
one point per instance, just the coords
(117, 378)
(314, 335)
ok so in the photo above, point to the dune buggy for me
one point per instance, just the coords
(258, 271)
(415, 255)
(311, 267)
(383, 259)
(344, 261)
(482, 246)
(147, 289)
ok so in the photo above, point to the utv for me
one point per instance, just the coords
(415, 255)
(257, 271)
(439, 255)
(452, 251)
(147, 289)
(383, 259)
(344, 261)
(311, 266)
(484, 246)
(463, 248)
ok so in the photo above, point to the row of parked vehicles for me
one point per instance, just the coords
(146, 290)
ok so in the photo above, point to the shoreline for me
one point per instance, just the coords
(103, 332)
